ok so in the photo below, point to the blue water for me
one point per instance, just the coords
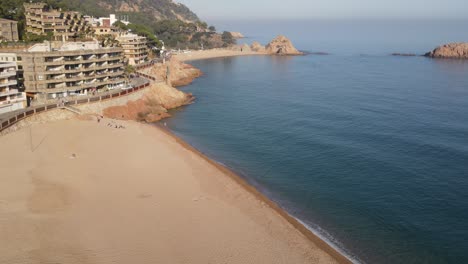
(369, 150)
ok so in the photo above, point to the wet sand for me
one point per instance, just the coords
(83, 192)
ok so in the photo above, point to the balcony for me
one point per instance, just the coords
(8, 83)
(5, 74)
(56, 69)
(9, 92)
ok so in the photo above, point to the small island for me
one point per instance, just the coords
(450, 51)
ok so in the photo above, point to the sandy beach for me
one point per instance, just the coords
(214, 53)
(77, 191)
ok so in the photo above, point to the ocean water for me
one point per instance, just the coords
(367, 149)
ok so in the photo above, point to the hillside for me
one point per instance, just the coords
(135, 9)
(173, 23)
(143, 12)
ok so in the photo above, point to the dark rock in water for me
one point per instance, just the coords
(404, 54)
(451, 51)
(317, 53)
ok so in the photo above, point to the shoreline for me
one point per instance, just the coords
(325, 245)
(153, 199)
(340, 257)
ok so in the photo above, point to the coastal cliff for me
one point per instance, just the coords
(160, 97)
(152, 106)
(451, 51)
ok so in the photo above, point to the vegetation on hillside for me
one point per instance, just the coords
(165, 20)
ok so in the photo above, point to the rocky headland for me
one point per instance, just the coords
(160, 97)
(450, 51)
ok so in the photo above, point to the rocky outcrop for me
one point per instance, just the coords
(152, 106)
(237, 35)
(451, 51)
(257, 47)
(160, 97)
(181, 74)
(282, 46)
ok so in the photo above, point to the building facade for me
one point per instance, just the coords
(50, 71)
(8, 30)
(11, 98)
(62, 25)
(109, 31)
(135, 48)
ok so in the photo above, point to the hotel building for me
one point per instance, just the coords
(135, 48)
(51, 71)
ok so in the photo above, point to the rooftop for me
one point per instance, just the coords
(65, 46)
(127, 36)
(7, 20)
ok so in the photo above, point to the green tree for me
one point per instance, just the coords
(228, 39)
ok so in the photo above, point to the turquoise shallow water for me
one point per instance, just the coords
(371, 151)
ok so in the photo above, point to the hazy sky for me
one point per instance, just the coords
(285, 9)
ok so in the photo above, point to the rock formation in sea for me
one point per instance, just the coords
(282, 46)
(237, 35)
(452, 51)
(257, 47)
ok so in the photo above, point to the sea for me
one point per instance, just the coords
(368, 150)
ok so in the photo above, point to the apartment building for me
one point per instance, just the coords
(11, 98)
(56, 70)
(103, 30)
(42, 20)
(8, 30)
(135, 48)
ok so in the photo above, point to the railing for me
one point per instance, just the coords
(30, 111)
(140, 74)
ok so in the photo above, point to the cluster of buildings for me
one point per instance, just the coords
(62, 25)
(73, 63)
